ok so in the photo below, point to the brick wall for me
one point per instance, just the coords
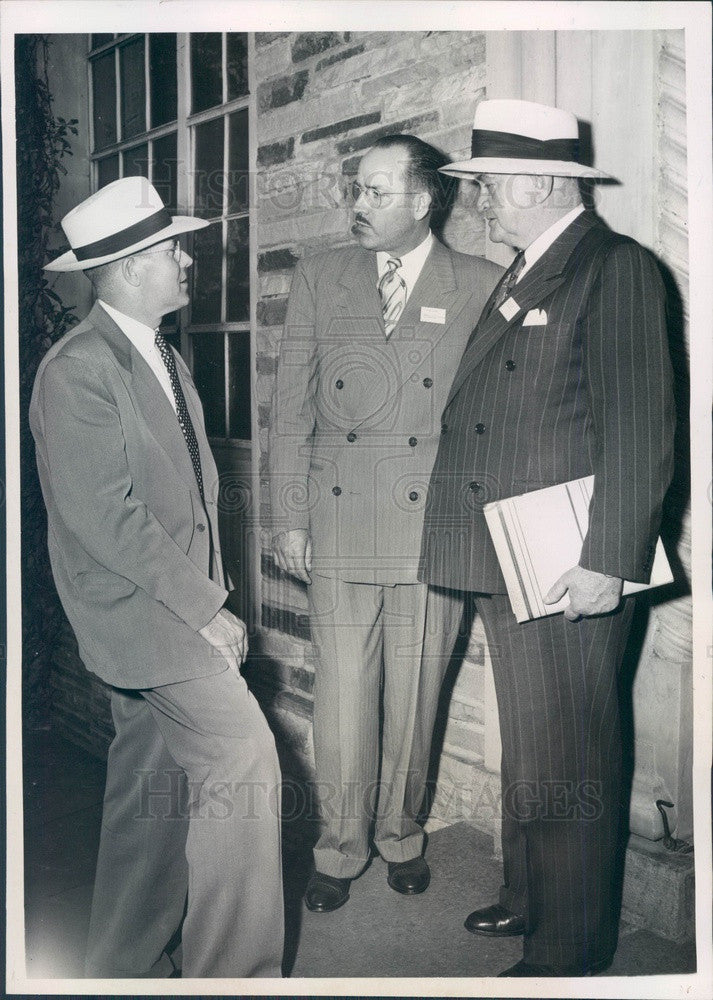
(322, 100)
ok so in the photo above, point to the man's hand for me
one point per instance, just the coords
(228, 635)
(293, 553)
(590, 593)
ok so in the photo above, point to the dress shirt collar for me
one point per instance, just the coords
(411, 262)
(545, 240)
(140, 335)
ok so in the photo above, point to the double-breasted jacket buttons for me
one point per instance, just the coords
(351, 437)
(444, 428)
(428, 382)
(413, 495)
(339, 384)
(200, 527)
(480, 428)
(474, 487)
(336, 490)
(510, 365)
(413, 441)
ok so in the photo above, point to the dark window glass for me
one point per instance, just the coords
(207, 272)
(165, 171)
(104, 93)
(108, 170)
(173, 337)
(237, 55)
(209, 376)
(136, 161)
(206, 70)
(133, 88)
(238, 290)
(239, 175)
(163, 76)
(98, 40)
(239, 374)
(209, 175)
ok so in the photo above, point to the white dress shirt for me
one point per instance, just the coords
(143, 339)
(411, 262)
(545, 240)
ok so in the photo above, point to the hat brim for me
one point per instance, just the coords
(179, 224)
(503, 165)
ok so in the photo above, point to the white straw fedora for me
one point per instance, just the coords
(120, 219)
(521, 137)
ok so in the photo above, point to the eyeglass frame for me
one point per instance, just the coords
(376, 198)
(175, 251)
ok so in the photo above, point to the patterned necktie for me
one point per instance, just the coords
(392, 292)
(508, 281)
(184, 418)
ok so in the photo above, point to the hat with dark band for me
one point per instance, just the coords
(521, 137)
(122, 218)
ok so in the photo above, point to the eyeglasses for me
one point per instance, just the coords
(174, 250)
(374, 197)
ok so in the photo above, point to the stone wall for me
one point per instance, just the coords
(322, 100)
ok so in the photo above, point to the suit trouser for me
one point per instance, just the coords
(371, 641)
(556, 685)
(191, 820)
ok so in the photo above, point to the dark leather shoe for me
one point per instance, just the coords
(495, 921)
(409, 877)
(325, 893)
(522, 970)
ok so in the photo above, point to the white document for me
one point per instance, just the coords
(538, 536)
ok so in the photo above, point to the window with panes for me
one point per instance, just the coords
(175, 108)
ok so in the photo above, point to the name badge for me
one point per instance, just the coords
(431, 315)
(509, 308)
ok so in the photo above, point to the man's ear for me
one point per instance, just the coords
(421, 205)
(542, 187)
(130, 271)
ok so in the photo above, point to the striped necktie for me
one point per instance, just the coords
(508, 281)
(184, 418)
(392, 292)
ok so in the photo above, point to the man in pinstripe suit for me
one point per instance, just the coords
(567, 374)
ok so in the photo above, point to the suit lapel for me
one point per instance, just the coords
(537, 284)
(357, 294)
(148, 395)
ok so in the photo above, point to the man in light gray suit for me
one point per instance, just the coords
(372, 339)
(191, 811)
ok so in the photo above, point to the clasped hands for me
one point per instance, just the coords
(590, 593)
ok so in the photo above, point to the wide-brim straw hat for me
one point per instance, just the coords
(122, 218)
(521, 137)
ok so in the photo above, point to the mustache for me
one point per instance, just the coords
(361, 219)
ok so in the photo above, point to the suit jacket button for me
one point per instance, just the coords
(413, 495)
(444, 428)
(351, 436)
(336, 491)
(428, 382)
(413, 441)
(510, 366)
(339, 384)
(474, 487)
(200, 527)
(480, 428)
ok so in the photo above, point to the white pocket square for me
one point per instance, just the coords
(535, 317)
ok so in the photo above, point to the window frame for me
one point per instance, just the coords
(184, 127)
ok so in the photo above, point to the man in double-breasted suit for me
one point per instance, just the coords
(191, 811)
(566, 375)
(372, 339)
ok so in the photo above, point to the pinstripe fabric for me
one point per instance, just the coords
(588, 393)
(530, 406)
